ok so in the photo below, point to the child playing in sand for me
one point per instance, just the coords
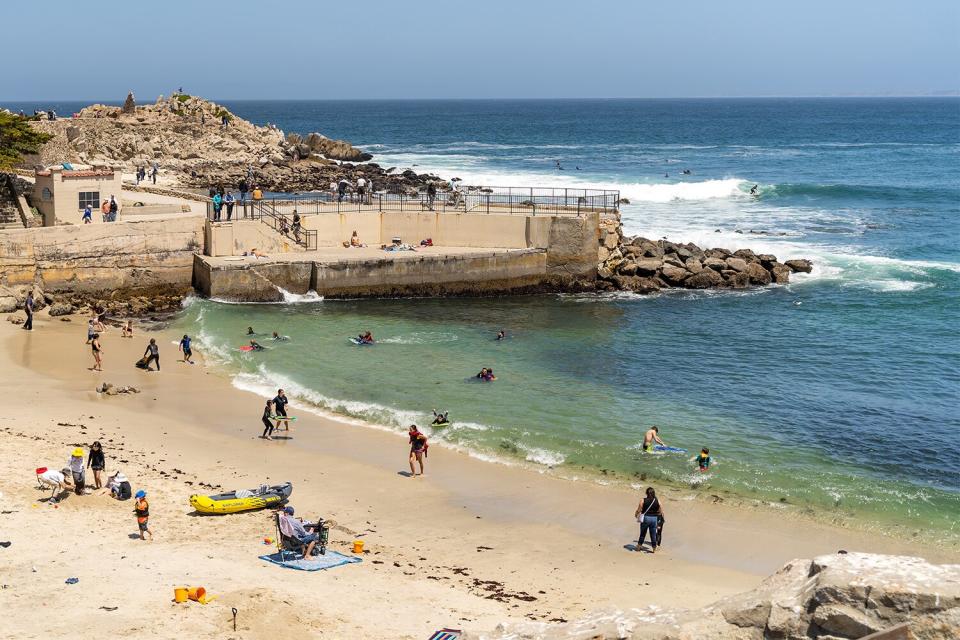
(142, 509)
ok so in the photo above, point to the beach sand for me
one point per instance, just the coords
(470, 545)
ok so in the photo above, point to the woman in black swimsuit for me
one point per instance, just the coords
(97, 351)
(267, 425)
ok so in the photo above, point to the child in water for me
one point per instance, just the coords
(703, 460)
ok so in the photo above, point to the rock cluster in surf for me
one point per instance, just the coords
(644, 266)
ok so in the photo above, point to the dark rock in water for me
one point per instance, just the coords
(737, 279)
(648, 266)
(706, 279)
(737, 264)
(757, 274)
(799, 266)
(766, 258)
(674, 276)
(636, 284)
(693, 265)
(717, 264)
(745, 254)
(780, 273)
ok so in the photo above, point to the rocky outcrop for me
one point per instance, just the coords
(644, 266)
(199, 144)
(840, 596)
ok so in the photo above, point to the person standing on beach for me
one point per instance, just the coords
(75, 464)
(267, 425)
(648, 514)
(418, 449)
(97, 351)
(652, 435)
(280, 408)
(185, 348)
(142, 510)
(152, 354)
(28, 307)
(96, 461)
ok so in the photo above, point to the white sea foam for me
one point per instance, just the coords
(421, 337)
(542, 456)
(296, 298)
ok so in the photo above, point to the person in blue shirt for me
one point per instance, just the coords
(87, 214)
(185, 347)
(217, 205)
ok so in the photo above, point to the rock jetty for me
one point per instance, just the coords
(840, 596)
(198, 143)
(642, 265)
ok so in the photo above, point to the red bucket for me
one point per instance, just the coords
(41, 470)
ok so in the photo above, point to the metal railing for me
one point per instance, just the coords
(482, 200)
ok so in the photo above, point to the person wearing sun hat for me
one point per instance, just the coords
(75, 464)
(142, 509)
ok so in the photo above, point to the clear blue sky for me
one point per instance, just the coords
(482, 49)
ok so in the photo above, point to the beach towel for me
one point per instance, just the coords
(446, 634)
(293, 560)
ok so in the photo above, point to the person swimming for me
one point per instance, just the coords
(280, 338)
(256, 346)
(250, 331)
(486, 375)
(366, 338)
(501, 334)
(441, 418)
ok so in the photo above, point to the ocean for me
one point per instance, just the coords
(836, 395)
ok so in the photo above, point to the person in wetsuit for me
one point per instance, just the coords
(267, 424)
(152, 354)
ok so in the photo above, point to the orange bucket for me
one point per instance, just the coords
(196, 593)
(180, 594)
(358, 546)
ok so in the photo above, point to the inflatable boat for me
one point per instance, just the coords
(243, 499)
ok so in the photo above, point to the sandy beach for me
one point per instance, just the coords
(470, 545)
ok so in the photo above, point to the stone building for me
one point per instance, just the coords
(61, 194)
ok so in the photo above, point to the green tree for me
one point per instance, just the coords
(17, 138)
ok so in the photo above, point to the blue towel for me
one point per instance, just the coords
(292, 560)
(446, 634)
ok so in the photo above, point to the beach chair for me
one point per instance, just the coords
(289, 545)
(446, 634)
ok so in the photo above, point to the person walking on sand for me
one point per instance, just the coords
(185, 348)
(127, 330)
(97, 462)
(280, 409)
(142, 510)
(152, 354)
(97, 351)
(418, 449)
(648, 514)
(75, 464)
(28, 307)
(267, 425)
(652, 435)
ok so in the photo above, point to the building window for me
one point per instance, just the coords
(46, 194)
(91, 198)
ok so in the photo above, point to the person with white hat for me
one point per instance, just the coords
(56, 480)
(119, 486)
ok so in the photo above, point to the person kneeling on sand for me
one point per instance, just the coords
(297, 529)
(57, 480)
(119, 486)
(142, 510)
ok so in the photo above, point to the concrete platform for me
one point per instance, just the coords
(371, 271)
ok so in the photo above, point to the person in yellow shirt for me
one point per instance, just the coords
(257, 193)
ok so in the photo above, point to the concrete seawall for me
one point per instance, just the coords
(98, 258)
(447, 271)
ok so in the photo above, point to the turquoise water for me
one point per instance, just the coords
(837, 393)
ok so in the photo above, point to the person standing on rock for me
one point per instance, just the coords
(28, 307)
(156, 170)
(228, 200)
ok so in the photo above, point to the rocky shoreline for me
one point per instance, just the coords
(198, 144)
(642, 265)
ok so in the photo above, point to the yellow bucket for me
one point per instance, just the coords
(358, 546)
(197, 593)
(180, 594)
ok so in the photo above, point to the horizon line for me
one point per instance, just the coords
(945, 94)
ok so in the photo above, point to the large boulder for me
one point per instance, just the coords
(737, 264)
(799, 266)
(674, 276)
(648, 266)
(693, 265)
(758, 275)
(636, 284)
(780, 272)
(705, 279)
(717, 264)
(61, 309)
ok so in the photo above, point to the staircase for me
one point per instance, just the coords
(267, 214)
(9, 210)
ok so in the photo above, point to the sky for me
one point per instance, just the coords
(316, 49)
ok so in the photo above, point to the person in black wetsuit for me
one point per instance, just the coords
(280, 408)
(97, 462)
(267, 425)
(152, 354)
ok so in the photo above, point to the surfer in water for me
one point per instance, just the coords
(652, 435)
(250, 331)
(365, 338)
(501, 335)
(755, 190)
(256, 346)
(279, 338)
(440, 418)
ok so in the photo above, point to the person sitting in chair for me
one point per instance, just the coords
(293, 528)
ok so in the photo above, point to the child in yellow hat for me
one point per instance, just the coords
(75, 464)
